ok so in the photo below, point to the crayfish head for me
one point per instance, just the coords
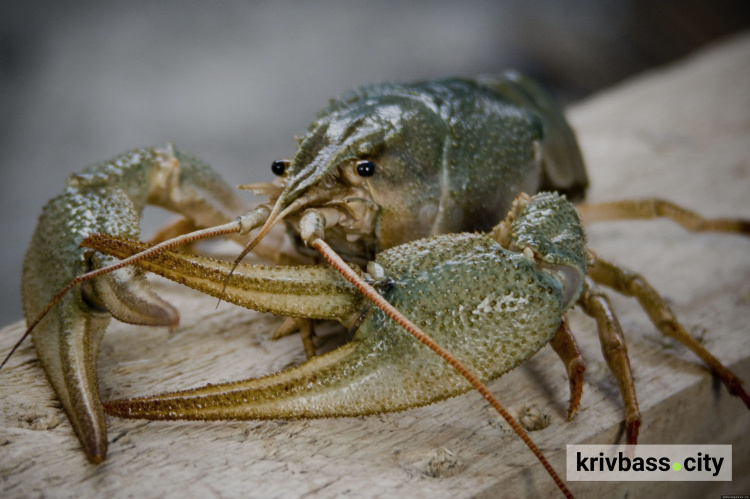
(370, 163)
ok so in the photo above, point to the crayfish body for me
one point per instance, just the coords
(392, 176)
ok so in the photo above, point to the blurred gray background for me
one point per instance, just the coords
(233, 82)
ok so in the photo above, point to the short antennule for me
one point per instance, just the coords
(276, 215)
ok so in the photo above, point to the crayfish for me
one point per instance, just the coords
(390, 177)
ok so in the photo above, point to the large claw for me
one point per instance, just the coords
(107, 197)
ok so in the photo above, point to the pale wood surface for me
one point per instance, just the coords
(682, 133)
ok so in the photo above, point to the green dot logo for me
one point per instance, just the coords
(676, 466)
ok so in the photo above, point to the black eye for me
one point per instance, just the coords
(278, 167)
(365, 168)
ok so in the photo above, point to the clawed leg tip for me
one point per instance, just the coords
(572, 411)
(632, 432)
(576, 388)
(742, 394)
(734, 385)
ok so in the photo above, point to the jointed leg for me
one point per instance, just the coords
(565, 346)
(630, 283)
(629, 209)
(596, 304)
(289, 326)
(306, 330)
(306, 333)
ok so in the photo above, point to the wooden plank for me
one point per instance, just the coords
(681, 133)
